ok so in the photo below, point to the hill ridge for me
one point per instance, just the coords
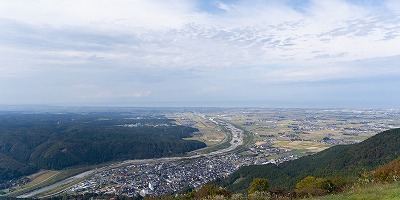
(341, 160)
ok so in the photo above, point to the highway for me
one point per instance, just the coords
(236, 140)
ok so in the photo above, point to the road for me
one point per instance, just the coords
(236, 140)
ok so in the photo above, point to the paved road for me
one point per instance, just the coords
(236, 140)
(60, 183)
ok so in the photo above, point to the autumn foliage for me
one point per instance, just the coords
(258, 185)
(388, 173)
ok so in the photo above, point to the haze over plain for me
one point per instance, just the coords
(309, 53)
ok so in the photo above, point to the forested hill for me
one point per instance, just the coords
(29, 142)
(342, 160)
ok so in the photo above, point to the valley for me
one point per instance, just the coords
(235, 138)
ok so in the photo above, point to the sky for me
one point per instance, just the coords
(269, 53)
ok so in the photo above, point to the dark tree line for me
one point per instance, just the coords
(29, 142)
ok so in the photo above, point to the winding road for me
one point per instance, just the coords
(236, 140)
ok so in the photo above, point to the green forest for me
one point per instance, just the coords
(29, 142)
(341, 160)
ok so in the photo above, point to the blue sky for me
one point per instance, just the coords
(286, 53)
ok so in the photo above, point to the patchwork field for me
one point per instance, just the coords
(209, 133)
(303, 132)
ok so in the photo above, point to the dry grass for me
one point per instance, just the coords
(40, 177)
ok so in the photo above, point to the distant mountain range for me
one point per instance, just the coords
(341, 160)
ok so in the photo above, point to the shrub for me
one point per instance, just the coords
(388, 173)
(211, 190)
(311, 186)
(259, 185)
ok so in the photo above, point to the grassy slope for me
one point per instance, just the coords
(371, 192)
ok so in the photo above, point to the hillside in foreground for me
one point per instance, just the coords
(377, 191)
(342, 160)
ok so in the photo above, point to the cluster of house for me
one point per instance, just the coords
(160, 178)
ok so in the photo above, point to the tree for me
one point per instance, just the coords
(259, 185)
(211, 190)
(311, 186)
(389, 172)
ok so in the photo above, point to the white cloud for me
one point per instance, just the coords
(99, 14)
(260, 42)
(222, 5)
(393, 5)
(175, 34)
(369, 68)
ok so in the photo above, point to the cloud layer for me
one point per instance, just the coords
(129, 52)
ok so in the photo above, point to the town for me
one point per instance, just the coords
(156, 177)
(237, 137)
(166, 177)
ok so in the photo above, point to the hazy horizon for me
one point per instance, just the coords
(184, 105)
